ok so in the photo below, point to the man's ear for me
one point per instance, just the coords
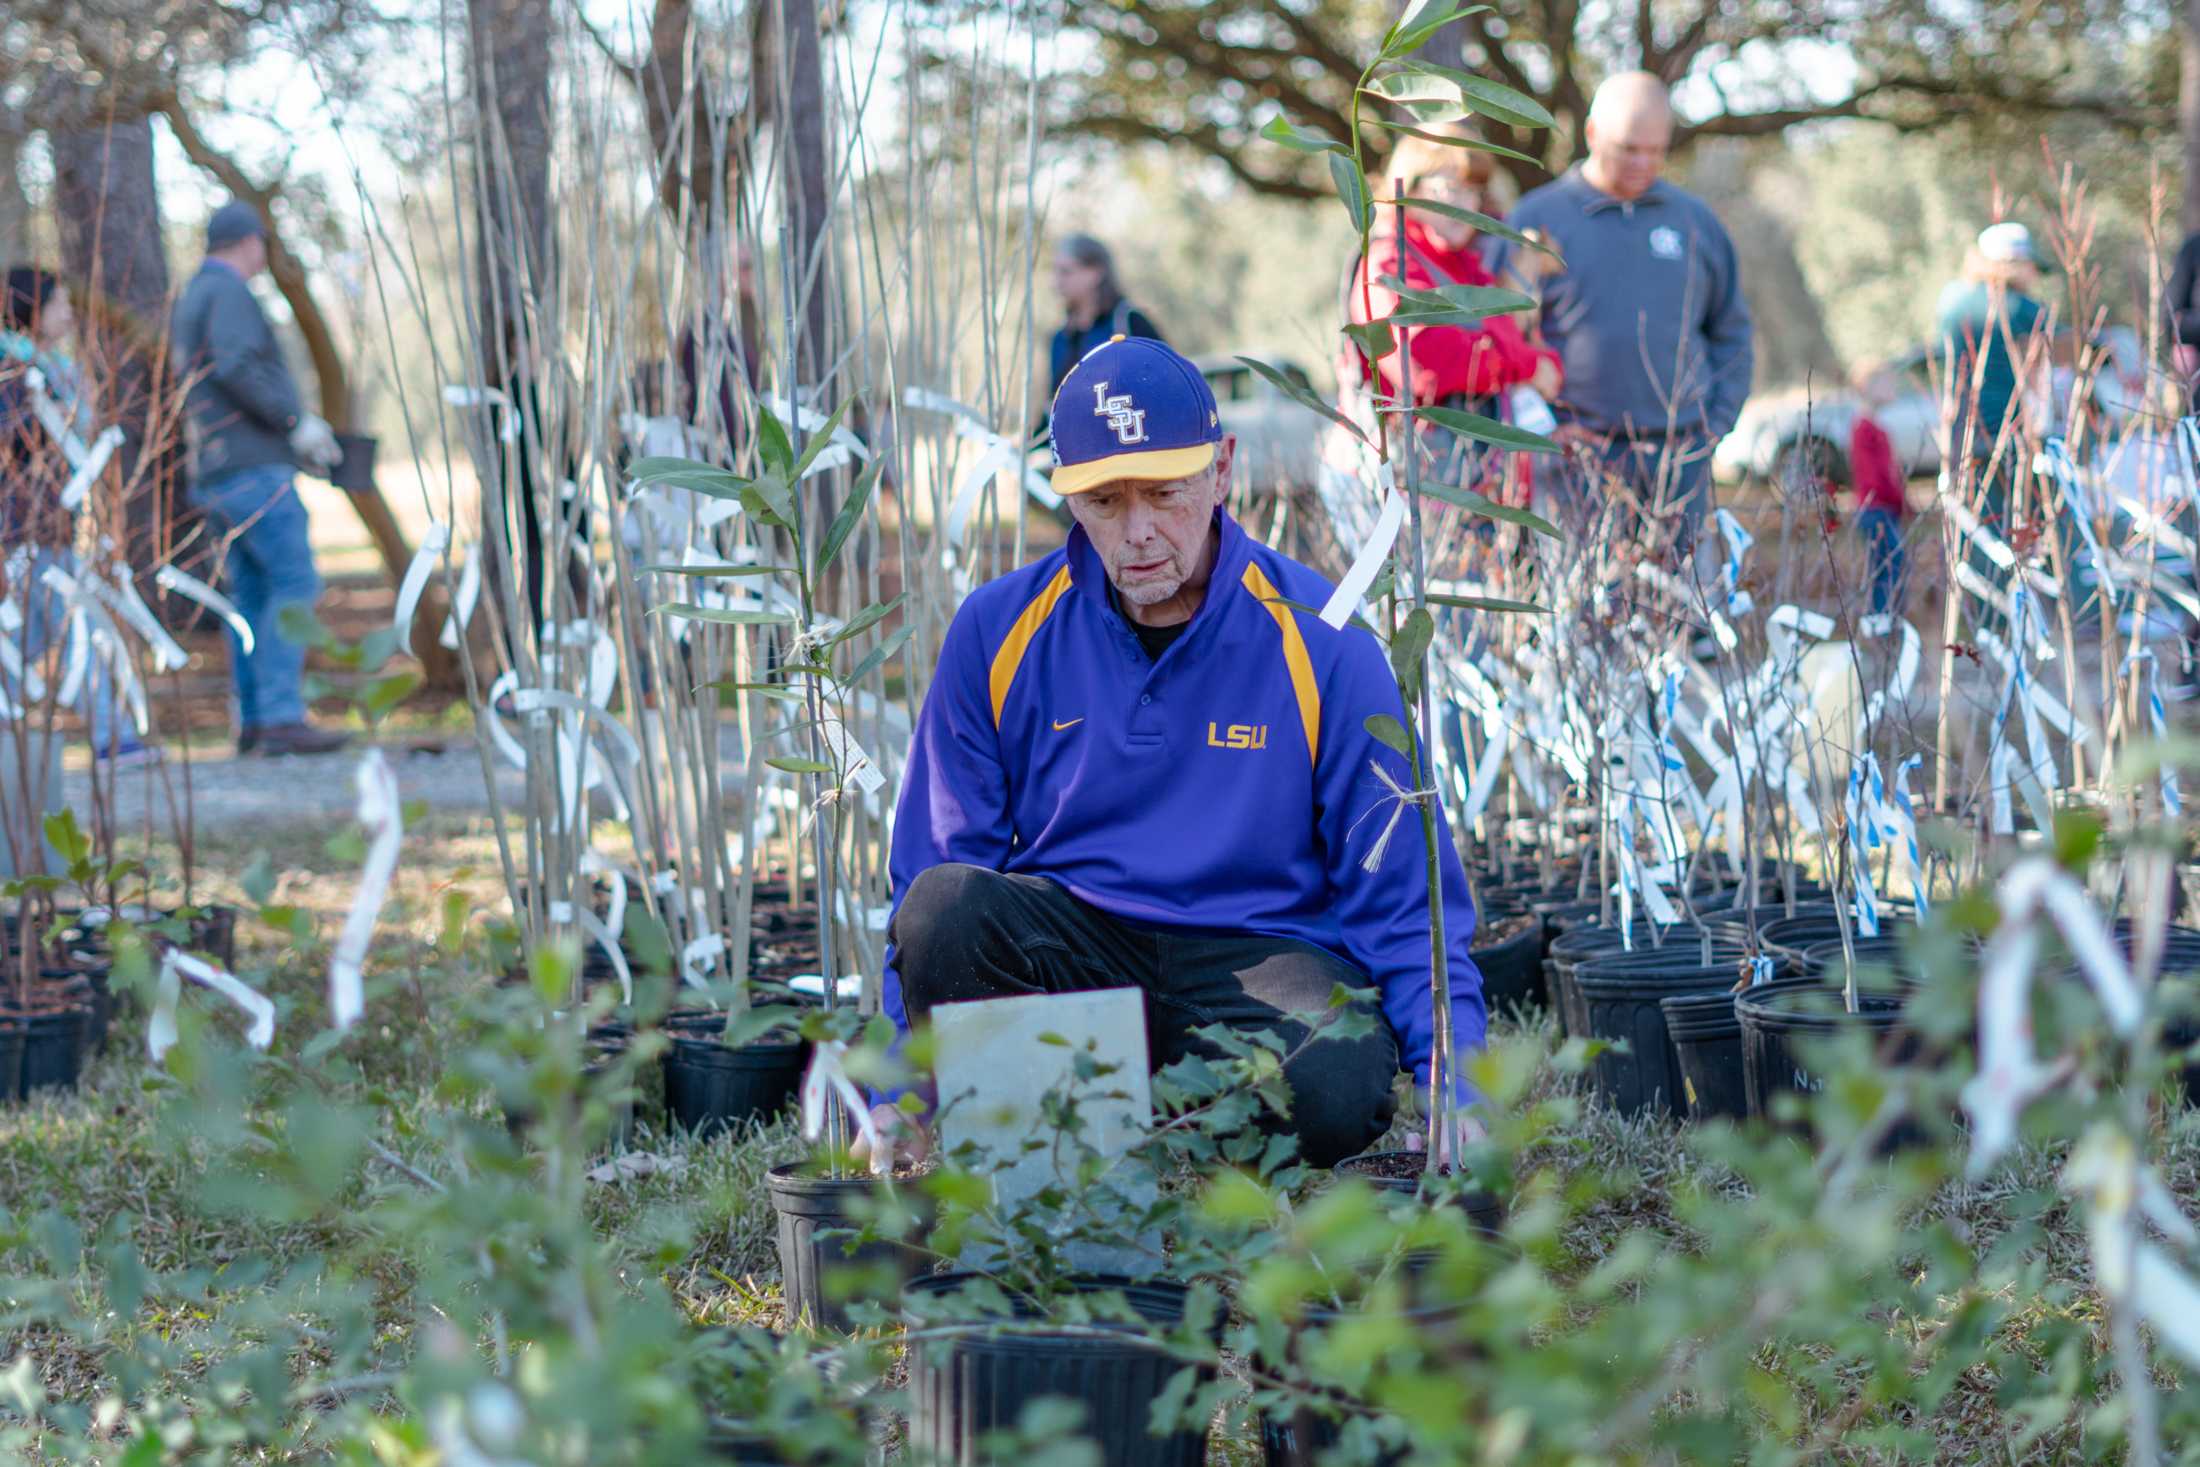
(1225, 457)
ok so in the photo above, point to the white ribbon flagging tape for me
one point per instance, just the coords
(89, 469)
(432, 546)
(381, 813)
(1368, 564)
(507, 420)
(175, 966)
(462, 607)
(191, 588)
(827, 1075)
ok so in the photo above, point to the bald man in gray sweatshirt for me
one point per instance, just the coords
(1646, 313)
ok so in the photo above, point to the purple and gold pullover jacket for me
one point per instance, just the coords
(1226, 786)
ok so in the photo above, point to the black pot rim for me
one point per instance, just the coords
(1026, 1330)
(789, 1179)
(1799, 1008)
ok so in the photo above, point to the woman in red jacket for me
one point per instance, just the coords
(1473, 367)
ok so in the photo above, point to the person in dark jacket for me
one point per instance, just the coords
(43, 423)
(1647, 314)
(2181, 298)
(250, 432)
(1084, 277)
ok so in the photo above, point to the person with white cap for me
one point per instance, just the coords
(1993, 342)
(249, 433)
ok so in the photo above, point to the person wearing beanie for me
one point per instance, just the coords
(41, 424)
(250, 433)
(1142, 763)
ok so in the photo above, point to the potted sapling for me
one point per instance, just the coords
(747, 1062)
(1393, 447)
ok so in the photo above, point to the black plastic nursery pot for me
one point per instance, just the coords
(742, 1447)
(1302, 1438)
(1776, 1016)
(1569, 950)
(711, 1086)
(354, 470)
(1512, 968)
(1622, 999)
(1400, 1173)
(1707, 1052)
(979, 1377)
(817, 1216)
(46, 1053)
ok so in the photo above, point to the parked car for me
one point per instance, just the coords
(1278, 440)
(1782, 433)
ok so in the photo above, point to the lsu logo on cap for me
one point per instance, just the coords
(1127, 422)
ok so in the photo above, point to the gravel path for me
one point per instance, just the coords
(232, 794)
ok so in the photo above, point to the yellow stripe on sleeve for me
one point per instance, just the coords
(1300, 666)
(1011, 655)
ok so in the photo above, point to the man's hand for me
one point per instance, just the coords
(1547, 379)
(1463, 1129)
(905, 1137)
(315, 442)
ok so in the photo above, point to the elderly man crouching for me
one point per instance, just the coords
(1139, 767)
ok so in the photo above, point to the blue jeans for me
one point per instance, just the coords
(45, 621)
(1881, 530)
(269, 561)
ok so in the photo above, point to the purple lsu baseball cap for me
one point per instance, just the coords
(1132, 409)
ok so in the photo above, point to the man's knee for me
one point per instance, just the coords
(1343, 1096)
(937, 928)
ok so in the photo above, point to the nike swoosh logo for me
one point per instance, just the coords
(1071, 724)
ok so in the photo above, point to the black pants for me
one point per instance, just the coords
(965, 933)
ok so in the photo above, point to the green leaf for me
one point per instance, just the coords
(1486, 430)
(730, 618)
(1352, 189)
(1375, 338)
(795, 765)
(1482, 222)
(1410, 644)
(385, 693)
(1479, 300)
(1426, 99)
(67, 839)
(1389, 731)
(817, 444)
(1422, 19)
(771, 499)
(681, 473)
(1472, 145)
(1303, 396)
(870, 616)
(719, 570)
(1282, 130)
(1493, 100)
(851, 514)
(1486, 603)
(1488, 508)
(877, 656)
(772, 443)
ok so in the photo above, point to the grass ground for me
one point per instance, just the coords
(95, 1155)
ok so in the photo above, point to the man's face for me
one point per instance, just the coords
(1153, 536)
(249, 255)
(1630, 151)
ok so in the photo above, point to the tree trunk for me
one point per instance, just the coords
(802, 120)
(15, 207)
(509, 61)
(106, 203)
(2188, 113)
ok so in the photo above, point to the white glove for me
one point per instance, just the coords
(315, 442)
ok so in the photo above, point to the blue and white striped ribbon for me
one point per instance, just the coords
(2055, 454)
(1863, 837)
(1738, 541)
(1903, 822)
